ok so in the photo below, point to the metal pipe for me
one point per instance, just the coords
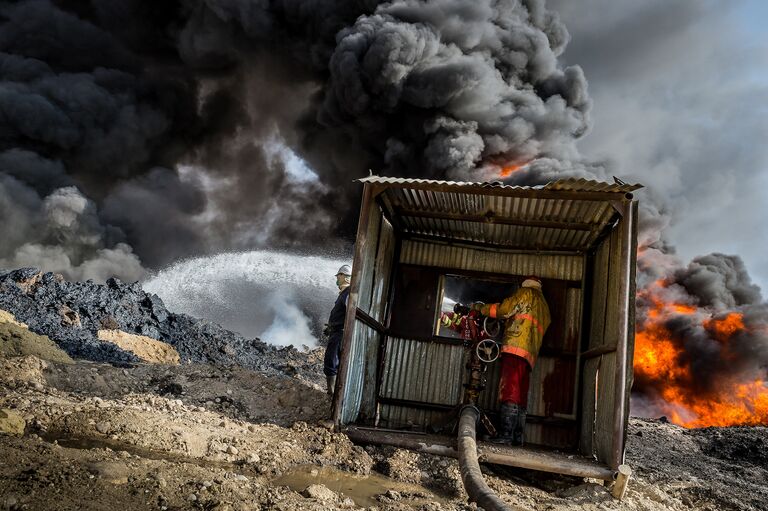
(477, 489)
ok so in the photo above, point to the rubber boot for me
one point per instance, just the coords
(519, 432)
(508, 416)
(330, 385)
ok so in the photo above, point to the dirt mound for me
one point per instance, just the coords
(710, 468)
(145, 348)
(72, 313)
(746, 444)
(16, 340)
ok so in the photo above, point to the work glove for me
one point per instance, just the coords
(477, 306)
(462, 309)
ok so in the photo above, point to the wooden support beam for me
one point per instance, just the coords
(622, 479)
(596, 352)
(524, 457)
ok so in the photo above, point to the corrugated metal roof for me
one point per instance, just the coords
(570, 184)
(565, 215)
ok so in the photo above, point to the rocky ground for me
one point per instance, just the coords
(84, 434)
(200, 437)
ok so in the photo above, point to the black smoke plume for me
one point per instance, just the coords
(135, 134)
(161, 130)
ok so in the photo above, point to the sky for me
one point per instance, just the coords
(680, 104)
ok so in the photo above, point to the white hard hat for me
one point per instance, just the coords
(345, 270)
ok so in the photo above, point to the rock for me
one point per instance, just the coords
(321, 493)
(115, 472)
(232, 450)
(109, 323)
(393, 495)
(11, 422)
(103, 427)
(25, 278)
(145, 348)
(69, 317)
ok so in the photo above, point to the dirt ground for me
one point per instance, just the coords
(202, 437)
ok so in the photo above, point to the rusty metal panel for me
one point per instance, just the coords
(560, 436)
(572, 320)
(382, 270)
(423, 371)
(599, 296)
(615, 271)
(353, 387)
(605, 405)
(564, 267)
(551, 391)
(534, 238)
(366, 272)
(582, 184)
(439, 212)
(416, 419)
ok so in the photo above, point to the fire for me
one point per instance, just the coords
(725, 327)
(660, 363)
(510, 168)
(507, 170)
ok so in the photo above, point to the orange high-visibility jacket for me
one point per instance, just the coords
(527, 318)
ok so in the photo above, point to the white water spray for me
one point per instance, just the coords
(279, 297)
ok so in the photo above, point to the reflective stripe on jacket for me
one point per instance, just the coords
(527, 318)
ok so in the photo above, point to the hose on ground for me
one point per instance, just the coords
(477, 489)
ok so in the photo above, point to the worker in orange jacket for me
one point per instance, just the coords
(527, 317)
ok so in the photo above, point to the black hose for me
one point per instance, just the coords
(477, 489)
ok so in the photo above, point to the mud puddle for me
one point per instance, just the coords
(366, 491)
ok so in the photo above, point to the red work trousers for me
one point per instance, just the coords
(514, 381)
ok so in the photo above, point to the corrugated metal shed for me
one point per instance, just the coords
(399, 374)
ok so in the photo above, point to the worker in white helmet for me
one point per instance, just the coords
(335, 328)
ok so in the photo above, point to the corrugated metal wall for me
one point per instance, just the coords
(565, 267)
(423, 371)
(363, 336)
(374, 273)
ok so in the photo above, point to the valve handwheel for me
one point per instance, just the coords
(487, 350)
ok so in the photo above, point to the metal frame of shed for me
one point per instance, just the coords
(580, 233)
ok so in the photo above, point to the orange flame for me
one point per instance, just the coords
(510, 168)
(726, 327)
(660, 362)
